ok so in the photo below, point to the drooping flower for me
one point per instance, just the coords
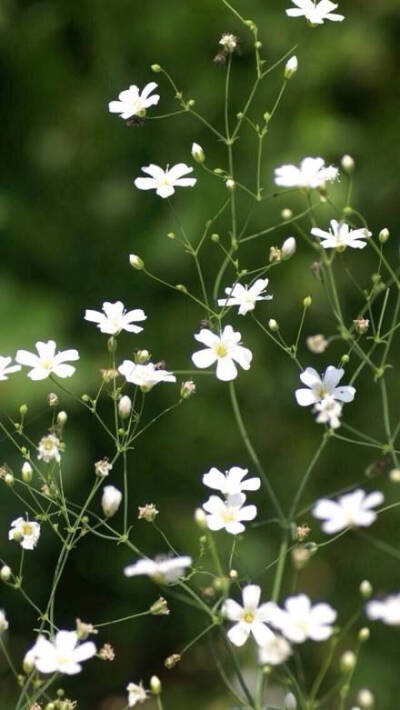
(250, 618)
(164, 182)
(132, 102)
(3, 621)
(115, 318)
(49, 448)
(162, 570)
(386, 610)
(144, 376)
(315, 12)
(275, 651)
(341, 236)
(136, 694)
(228, 514)
(328, 411)
(318, 388)
(25, 532)
(47, 361)
(312, 173)
(350, 510)
(62, 655)
(6, 369)
(231, 482)
(245, 296)
(299, 620)
(110, 500)
(225, 350)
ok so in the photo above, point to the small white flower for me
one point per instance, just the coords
(5, 368)
(229, 42)
(136, 694)
(341, 236)
(231, 482)
(162, 570)
(250, 618)
(350, 510)
(387, 610)
(312, 173)
(25, 532)
(3, 621)
(328, 411)
(115, 318)
(315, 12)
(223, 349)
(318, 388)
(245, 296)
(299, 620)
(47, 361)
(164, 182)
(144, 376)
(274, 652)
(63, 655)
(317, 343)
(111, 500)
(133, 103)
(228, 514)
(49, 448)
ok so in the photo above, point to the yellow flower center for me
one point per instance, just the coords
(248, 616)
(26, 529)
(228, 515)
(220, 350)
(47, 364)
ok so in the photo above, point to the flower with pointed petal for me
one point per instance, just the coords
(132, 102)
(318, 388)
(47, 362)
(136, 694)
(228, 514)
(6, 369)
(25, 532)
(341, 236)
(245, 296)
(144, 376)
(387, 610)
(275, 651)
(250, 618)
(164, 182)
(231, 482)
(312, 173)
(115, 318)
(299, 620)
(225, 350)
(315, 12)
(350, 510)
(162, 570)
(63, 655)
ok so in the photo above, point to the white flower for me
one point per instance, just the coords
(47, 362)
(165, 181)
(49, 448)
(63, 655)
(317, 343)
(228, 514)
(341, 236)
(231, 482)
(111, 500)
(275, 651)
(318, 388)
(245, 296)
(5, 368)
(328, 411)
(299, 620)
(387, 610)
(315, 13)
(136, 694)
(133, 103)
(162, 570)
(223, 349)
(115, 318)
(124, 406)
(250, 618)
(25, 532)
(350, 510)
(102, 468)
(312, 173)
(229, 42)
(3, 621)
(145, 376)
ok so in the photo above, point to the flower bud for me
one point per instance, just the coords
(233, 574)
(394, 475)
(9, 479)
(230, 184)
(291, 67)
(366, 589)
(288, 248)
(273, 325)
(347, 164)
(124, 406)
(23, 409)
(5, 573)
(301, 555)
(289, 702)
(172, 660)
(181, 287)
(111, 500)
(365, 699)
(52, 399)
(26, 472)
(286, 213)
(142, 356)
(200, 518)
(62, 418)
(384, 235)
(307, 301)
(155, 685)
(136, 261)
(364, 634)
(156, 68)
(198, 153)
(275, 255)
(28, 662)
(187, 389)
(348, 661)
(317, 343)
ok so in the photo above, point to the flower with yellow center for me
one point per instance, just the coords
(165, 181)
(250, 618)
(225, 350)
(25, 532)
(228, 514)
(47, 361)
(320, 387)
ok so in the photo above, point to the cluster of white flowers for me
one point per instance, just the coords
(229, 513)
(325, 394)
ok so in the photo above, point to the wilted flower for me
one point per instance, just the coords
(3, 622)
(115, 318)
(387, 610)
(361, 325)
(229, 42)
(47, 362)
(250, 618)
(111, 500)
(136, 694)
(274, 651)
(317, 343)
(84, 629)
(5, 368)
(102, 468)
(160, 607)
(245, 296)
(145, 376)
(49, 448)
(231, 482)
(299, 620)
(106, 652)
(162, 570)
(312, 173)
(318, 388)
(187, 389)
(25, 532)
(132, 102)
(63, 655)
(341, 236)
(315, 12)
(148, 512)
(225, 350)
(350, 510)
(228, 514)
(165, 181)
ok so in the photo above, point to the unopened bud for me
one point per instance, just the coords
(26, 472)
(394, 475)
(155, 685)
(136, 261)
(200, 518)
(290, 702)
(366, 589)
(365, 699)
(181, 287)
(160, 607)
(111, 500)
(286, 213)
(28, 662)
(5, 573)
(9, 479)
(273, 325)
(172, 660)
(124, 406)
(233, 574)
(348, 661)
(215, 238)
(288, 248)
(230, 184)
(300, 556)
(52, 399)
(187, 389)
(347, 164)
(364, 634)
(156, 68)
(307, 301)
(142, 356)
(23, 410)
(198, 153)
(384, 235)
(62, 418)
(291, 67)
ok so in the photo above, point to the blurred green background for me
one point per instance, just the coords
(69, 216)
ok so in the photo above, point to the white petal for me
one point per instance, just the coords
(239, 634)
(232, 610)
(145, 183)
(204, 358)
(310, 377)
(261, 633)
(226, 369)
(305, 397)
(251, 596)
(344, 394)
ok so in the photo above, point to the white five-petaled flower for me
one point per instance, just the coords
(245, 296)
(136, 694)
(299, 620)
(164, 182)
(341, 236)
(318, 388)
(25, 532)
(63, 655)
(132, 102)
(275, 651)
(328, 411)
(350, 510)
(250, 618)
(115, 318)
(144, 376)
(225, 350)
(162, 570)
(6, 369)
(47, 361)
(231, 482)
(312, 173)
(49, 448)
(386, 610)
(228, 514)
(315, 12)
(3, 621)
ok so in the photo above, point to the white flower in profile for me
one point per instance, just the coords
(315, 12)
(115, 318)
(328, 411)
(225, 350)
(228, 514)
(25, 532)
(275, 651)
(164, 182)
(6, 369)
(231, 482)
(341, 236)
(386, 610)
(47, 362)
(144, 376)
(49, 448)
(299, 620)
(351, 510)
(162, 570)
(132, 102)
(245, 296)
(250, 618)
(110, 500)
(136, 694)
(63, 655)
(320, 387)
(3, 621)
(312, 173)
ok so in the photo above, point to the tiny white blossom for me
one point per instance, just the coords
(299, 620)
(245, 296)
(111, 500)
(328, 411)
(315, 12)
(164, 182)
(350, 510)
(228, 514)
(3, 621)
(49, 448)
(318, 388)
(6, 369)
(25, 532)
(341, 236)
(312, 173)
(231, 482)
(225, 350)
(136, 694)
(63, 655)
(250, 618)
(145, 376)
(229, 42)
(115, 318)
(47, 361)
(317, 343)
(162, 570)
(386, 610)
(274, 652)
(132, 102)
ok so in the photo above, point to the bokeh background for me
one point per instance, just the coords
(69, 216)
